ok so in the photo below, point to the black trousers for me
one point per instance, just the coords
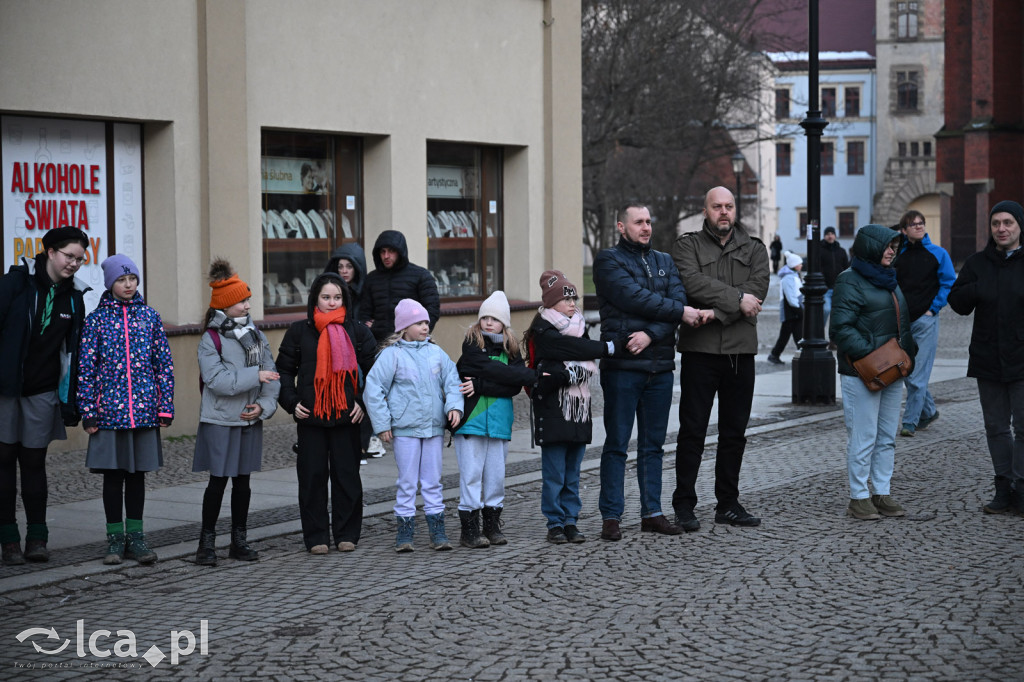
(34, 491)
(792, 325)
(329, 454)
(702, 375)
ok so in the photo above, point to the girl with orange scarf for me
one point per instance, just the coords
(322, 361)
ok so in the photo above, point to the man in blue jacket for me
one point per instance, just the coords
(641, 297)
(925, 274)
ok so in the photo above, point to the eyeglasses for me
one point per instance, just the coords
(72, 259)
(919, 223)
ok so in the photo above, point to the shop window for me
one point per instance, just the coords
(464, 219)
(781, 103)
(855, 157)
(907, 90)
(847, 221)
(851, 107)
(906, 20)
(828, 102)
(783, 158)
(828, 155)
(311, 204)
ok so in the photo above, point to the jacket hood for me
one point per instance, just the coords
(353, 253)
(318, 284)
(396, 240)
(871, 240)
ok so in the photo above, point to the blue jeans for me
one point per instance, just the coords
(560, 489)
(647, 398)
(1002, 404)
(872, 419)
(827, 309)
(920, 403)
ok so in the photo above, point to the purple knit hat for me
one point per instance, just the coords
(118, 266)
(408, 312)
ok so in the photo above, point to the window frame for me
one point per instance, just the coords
(788, 164)
(846, 101)
(851, 157)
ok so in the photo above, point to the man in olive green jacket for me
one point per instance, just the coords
(725, 274)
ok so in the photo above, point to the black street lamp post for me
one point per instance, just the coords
(737, 170)
(814, 370)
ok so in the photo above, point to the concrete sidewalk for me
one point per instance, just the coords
(177, 507)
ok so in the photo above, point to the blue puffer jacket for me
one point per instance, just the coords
(125, 375)
(639, 289)
(497, 378)
(411, 389)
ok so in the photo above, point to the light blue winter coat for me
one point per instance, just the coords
(411, 388)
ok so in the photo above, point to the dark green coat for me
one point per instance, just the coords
(863, 315)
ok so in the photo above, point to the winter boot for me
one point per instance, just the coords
(406, 531)
(492, 526)
(35, 542)
(10, 539)
(115, 543)
(240, 548)
(438, 538)
(471, 529)
(1004, 498)
(206, 555)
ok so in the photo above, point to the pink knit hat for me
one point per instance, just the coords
(408, 312)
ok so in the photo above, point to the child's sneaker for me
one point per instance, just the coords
(375, 449)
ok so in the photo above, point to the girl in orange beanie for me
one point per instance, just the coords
(239, 385)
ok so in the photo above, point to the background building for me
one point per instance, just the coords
(271, 132)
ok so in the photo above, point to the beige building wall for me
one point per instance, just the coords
(205, 77)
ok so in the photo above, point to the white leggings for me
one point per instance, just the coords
(419, 463)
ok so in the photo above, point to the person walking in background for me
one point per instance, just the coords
(493, 362)
(412, 394)
(991, 285)
(925, 274)
(393, 279)
(322, 360)
(564, 358)
(349, 261)
(240, 385)
(833, 259)
(125, 396)
(41, 316)
(725, 271)
(864, 317)
(641, 299)
(776, 253)
(791, 306)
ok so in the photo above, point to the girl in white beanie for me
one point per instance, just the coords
(412, 393)
(492, 362)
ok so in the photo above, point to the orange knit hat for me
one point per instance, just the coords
(228, 287)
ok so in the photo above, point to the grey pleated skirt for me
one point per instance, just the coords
(129, 450)
(228, 450)
(34, 421)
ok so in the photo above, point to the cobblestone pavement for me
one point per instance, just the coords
(810, 595)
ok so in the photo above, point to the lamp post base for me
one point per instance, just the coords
(814, 377)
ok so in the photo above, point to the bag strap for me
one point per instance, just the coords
(215, 337)
(899, 329)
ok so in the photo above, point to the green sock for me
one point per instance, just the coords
(37, 531)
(116, 528)
(133, 525)
(9, 533)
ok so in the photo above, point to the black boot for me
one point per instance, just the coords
(492, 526)
(240, 549)
(1000, 504)
(206, 555)
(471, 529)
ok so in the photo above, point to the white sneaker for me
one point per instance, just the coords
(376, 448)
(363, 462)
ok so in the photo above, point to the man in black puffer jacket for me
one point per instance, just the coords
(395, 278)
(641, 297)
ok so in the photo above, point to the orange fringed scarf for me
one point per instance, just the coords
(335, 364)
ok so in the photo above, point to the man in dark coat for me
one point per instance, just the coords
(393, 279)
(833, 261)
(991, 285)
(641, 297)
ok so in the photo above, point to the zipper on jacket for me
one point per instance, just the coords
(128, 364)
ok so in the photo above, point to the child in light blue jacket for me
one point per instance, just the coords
(412, 392)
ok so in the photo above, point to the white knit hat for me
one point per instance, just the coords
(496, 306)
(793, 260)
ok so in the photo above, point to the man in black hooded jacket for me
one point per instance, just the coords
(393, 279)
